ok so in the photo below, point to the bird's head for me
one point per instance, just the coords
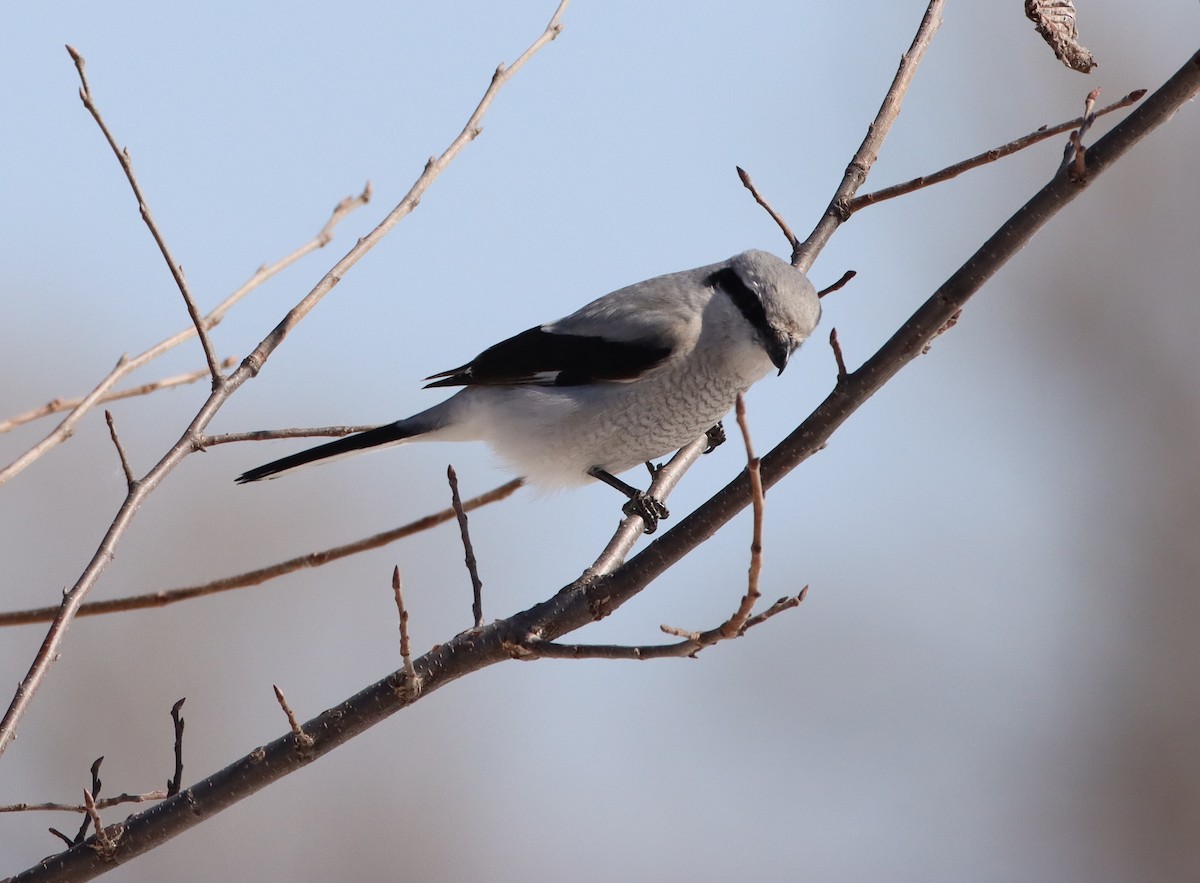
(777, 300)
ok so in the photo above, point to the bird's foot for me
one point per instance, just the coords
(646, 507)
(715, 436)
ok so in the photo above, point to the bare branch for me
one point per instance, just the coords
(130, 481)
(839, 285)
(737, 623)
(775, 216)
(806, 253)
(988, 156)
(262, 574)
(836, 346)
(85, 93)
(630, 530)
(210, 441)
(57, 405)
(468, 549)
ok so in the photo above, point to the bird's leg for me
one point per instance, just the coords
(640, 503)
(715, 436)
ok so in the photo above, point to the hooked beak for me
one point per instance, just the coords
(780, 349)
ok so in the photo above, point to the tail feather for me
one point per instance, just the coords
(381, 435)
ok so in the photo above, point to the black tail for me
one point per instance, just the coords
(380, 435)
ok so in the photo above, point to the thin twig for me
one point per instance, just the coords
(106, 844)
(176, 780)
(56, 406)
(262, 574)
(85, 94)
(100, 803)
(839, 285)
(126, 366)
(130, 481)
(690, 646)
(806, 252)
(775, 216)
(468, 550)
(988, 156)
(210, 441)
(303, 740)
(411, 682)
(736, 623)
(836, 346)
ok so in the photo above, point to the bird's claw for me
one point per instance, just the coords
(646, 507)
(715, 436)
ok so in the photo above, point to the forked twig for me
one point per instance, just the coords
(806, 252)
(988, 156)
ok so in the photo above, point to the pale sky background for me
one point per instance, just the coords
(996, 676)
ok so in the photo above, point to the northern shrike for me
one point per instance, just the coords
(620, 382)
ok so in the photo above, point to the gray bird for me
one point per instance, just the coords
(626, 379)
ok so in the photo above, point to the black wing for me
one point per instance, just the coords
(542, 357)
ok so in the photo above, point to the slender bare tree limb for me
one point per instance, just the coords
(412, 684)
(125, 365)
(806, 252)
(130, 481)
(210, 441)
(736, 624)
(192, 437)
(468, 550)
(988, 156)
(261, 574)
(303, 740)
(56, 406)
(85, 94)
(775, 216)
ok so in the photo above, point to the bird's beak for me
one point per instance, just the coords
(780, 349)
